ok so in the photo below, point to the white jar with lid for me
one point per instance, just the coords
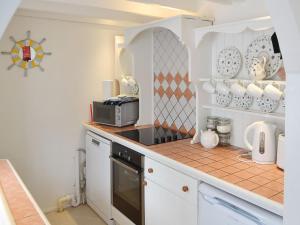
(224, 126)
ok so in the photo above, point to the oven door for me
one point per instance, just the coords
(127, 190)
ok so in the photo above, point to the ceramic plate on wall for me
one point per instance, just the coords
(244, 102)
(267, 105)
(229, 62)
(262, 46)
(223, 99)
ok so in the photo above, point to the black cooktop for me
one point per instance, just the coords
(153, 135)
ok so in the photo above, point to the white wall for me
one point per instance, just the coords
(41, 115)
(7, 10)
(241, 10)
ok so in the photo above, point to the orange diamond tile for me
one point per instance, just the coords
(178, 79)
(186, 78)
(178, 93)
(169, 78)
(188, 94)
(160, 91)
(169, 92)
(160, 78)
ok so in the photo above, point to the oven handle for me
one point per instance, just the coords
(124, 165)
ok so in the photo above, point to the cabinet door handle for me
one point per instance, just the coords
(96, 142)
(150, 170)
(185, 188)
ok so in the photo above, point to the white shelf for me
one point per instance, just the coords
(242, 80)
(278, 116)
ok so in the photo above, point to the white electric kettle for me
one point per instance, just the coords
(264, 142)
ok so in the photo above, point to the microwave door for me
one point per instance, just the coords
(104, 114)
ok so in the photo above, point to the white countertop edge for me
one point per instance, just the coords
(35, 205)
(249, 196)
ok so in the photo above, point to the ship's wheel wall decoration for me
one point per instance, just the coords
(27, 54)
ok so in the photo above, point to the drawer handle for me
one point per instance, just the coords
(150, 170)
(96, 142)
(185, 188)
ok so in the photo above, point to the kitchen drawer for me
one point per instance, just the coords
(181, 185)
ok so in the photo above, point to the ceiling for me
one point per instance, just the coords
(118, 13)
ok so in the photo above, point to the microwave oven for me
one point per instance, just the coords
(116, 113)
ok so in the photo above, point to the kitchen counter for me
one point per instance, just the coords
(221, 167)
(23, 208)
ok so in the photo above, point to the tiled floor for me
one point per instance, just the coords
(82, 215)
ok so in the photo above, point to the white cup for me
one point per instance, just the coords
(222, 88)
(238, 89)
(254, 90)
(272, 92)
(209, 87)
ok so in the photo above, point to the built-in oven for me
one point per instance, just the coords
(127, 183)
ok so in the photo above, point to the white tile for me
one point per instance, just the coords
(182, 86)
(182, 116)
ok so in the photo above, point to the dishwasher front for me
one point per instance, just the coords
(217, 207)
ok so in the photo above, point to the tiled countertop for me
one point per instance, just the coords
(23, 208)
(222, 163)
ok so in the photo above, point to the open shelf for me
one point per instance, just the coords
(242, 80)
(278, 116)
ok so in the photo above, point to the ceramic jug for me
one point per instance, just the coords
(209, 139)
(258, 68)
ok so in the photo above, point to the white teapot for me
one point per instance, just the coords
(209, 139)
(258, 68)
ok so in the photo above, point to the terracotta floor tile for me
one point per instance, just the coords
(270, 175)
(217, 165)
(241, 166)
(259, 180)
(185, 153)
(195, 156)
(278, 198)
(218, 173)
(266, 192)
(205, 161)
(244, 174)
(247, 185)
(205, 168)
(216, 157)
(230, 169)
(274, 186)
(232, 179)
(228, 162)
(280, 180)
(193, 164)
(183, 160)
(255, 170)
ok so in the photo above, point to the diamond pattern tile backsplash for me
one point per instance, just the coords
(174, 95)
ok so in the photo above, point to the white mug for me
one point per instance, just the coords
(222, 88)
(238, 89)
(272, 92)
(209, 87)
(254, 90)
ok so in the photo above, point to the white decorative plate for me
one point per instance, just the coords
(223, 99)
(267, 105)
(262, 46)
(243, 103)
(229, 62)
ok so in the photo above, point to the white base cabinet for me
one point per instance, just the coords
(98, 178)
(170, 196)
(164, 207)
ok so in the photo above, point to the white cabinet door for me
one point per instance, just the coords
(98, 181)
(164, 207)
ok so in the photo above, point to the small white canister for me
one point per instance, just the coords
(281, 151)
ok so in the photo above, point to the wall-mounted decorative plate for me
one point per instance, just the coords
(27, 54)
(229, 62)
(260, 47)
